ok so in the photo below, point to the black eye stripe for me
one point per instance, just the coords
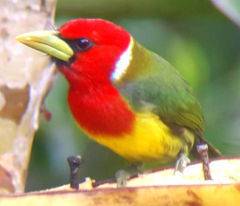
(60, 62)
(80, 45)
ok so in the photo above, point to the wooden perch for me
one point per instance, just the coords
(156, 188)
(25, 77)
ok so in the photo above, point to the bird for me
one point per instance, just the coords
(122, 95)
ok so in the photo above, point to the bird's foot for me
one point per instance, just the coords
(181, 163)
(123, 175)
(203, 152)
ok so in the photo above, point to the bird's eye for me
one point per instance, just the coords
(84, 44)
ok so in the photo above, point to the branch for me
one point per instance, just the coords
(25, 78)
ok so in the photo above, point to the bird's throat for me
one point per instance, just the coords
(101, 111)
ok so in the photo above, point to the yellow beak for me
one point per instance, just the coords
(47, 42)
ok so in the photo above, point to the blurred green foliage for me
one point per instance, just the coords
(197, 39)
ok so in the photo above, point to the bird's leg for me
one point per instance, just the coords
(181, 162)
(74, 164)
(123, 175)
(203, 152)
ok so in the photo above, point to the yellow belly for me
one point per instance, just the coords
(150, 140)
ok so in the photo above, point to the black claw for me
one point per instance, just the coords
(203, 152)
(74, 164)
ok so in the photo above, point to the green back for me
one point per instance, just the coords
(151, 83)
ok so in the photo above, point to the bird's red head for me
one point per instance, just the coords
(97, 44)
(92, 54)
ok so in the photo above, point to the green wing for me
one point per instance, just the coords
(163, 91)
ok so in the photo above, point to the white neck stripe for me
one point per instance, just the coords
(122, 63)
